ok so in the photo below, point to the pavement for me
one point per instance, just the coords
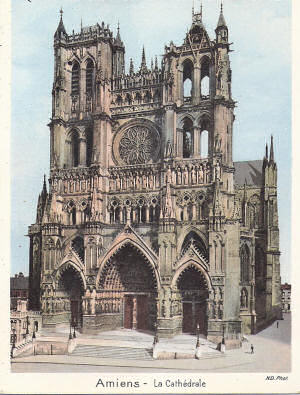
(272, 353)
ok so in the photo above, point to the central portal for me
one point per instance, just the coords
(194, 295)
(136, 312)
(128, 277)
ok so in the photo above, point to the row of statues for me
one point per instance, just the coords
(134, 180)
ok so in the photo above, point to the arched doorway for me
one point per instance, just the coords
(129, 278)
(193, 290)
(71, 289)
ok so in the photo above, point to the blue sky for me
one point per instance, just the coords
(261, 71)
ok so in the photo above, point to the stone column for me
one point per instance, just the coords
(134, 313)
(196, 85)
(194, 211)
(82, 152)
(147, 214)
(179, 144)
(185, 213)
(196, 141)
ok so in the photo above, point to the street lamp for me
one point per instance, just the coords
(155, 334)
(198, 336)
(27, 325)
(223, 337)
(70, 334)
(13, 342)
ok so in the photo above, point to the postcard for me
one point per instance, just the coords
(147, 168)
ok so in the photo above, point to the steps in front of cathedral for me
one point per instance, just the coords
(95, 351)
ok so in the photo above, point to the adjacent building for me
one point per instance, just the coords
(147, 221)
(19, 289)
(286, 290)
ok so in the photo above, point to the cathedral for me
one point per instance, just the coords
(146, 222)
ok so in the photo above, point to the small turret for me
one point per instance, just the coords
(60, 31)
(118, 41)
(119, 51)
(221, 29)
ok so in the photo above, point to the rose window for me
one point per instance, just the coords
(138, 145)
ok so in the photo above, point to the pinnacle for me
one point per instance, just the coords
(221, 21)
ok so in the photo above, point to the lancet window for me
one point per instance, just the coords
(75, 79)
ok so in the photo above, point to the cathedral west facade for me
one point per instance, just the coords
(147, 222)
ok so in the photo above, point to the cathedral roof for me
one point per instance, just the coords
(249, 172)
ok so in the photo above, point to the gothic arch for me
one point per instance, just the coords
(197, 265)
(67, 264)
(69, 239)
(72, 130)
(204, 116)
(181, 120)
(185, 233)
(88, 57)
(114, 250)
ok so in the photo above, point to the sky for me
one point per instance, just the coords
(261, 84)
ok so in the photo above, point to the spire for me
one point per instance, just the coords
(265, 161)
(143, 64)
(221, 22)
(271, 151)
(131, 67)
(156, 65)
(44, 185)
(60, 31)
(118, 40)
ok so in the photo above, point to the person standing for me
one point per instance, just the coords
(277, 324)
(252, 349)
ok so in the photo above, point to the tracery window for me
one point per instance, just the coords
(138, 145)
(245, 263)
(89, 77)
(75, 79)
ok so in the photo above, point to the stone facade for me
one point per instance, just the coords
(147, 223)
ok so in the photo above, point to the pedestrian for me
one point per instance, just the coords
(252, 349)
(277, 324)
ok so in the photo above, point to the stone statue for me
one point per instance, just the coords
(169, 152)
